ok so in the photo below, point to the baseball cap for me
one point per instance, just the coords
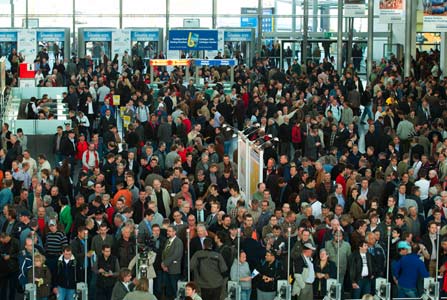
(52, 222)
(25, 213)
(403, 245)
(308, 246)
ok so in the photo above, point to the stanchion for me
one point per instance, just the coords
(234, 287)
(333, 286)
(82, 287)
(383, 286)
(188, 250)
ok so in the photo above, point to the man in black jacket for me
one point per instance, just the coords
(361, 271)
(107, 268)
(9, 265)
(67, 275)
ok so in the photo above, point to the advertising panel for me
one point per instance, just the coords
(187, 40)
(354, 8)
(391, 11)
(435, 15)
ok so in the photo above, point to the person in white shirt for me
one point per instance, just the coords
(423, 185)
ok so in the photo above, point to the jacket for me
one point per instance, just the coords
(119, 290)
(151, 256)
(208, 267)
(43, 287)
(139, 295)
(408, 270)
(244, 271)
(345, 253)
(110, 266)
(67, 274)
(356, 264)
(172, 257)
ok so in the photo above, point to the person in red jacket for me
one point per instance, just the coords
(296, 136)
(81, 147)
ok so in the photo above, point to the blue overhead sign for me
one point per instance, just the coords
(252, 21)
(215, 62)
(193, 39)
(97, 36)
(53, 36)
(145, 36)
(236, 36)
(8, 36)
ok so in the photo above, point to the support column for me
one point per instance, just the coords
(390, 39)
(214, 14)
(305, 31)
(293, 26)
(407, 49)
(443, 58)
(340, 38)
(413, 28)
(12, 13)
(121, 13)
(26, 14)
(350, 38)
(315, 16)
(324, 18)
(168, 4)
(74, 27)
(369, 56)
(259, 41)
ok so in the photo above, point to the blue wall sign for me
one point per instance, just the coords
(236, 36)
(97, 36)
(51, 36)
(215, 62)
(193, 40)
(145, 36)
(8, 36)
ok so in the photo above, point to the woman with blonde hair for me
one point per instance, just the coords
(141, 291)
(42, 277)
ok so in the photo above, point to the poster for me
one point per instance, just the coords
(354, 8)
(435, 15)
(120, 43)
(116, 100)
(255, 170)
(392, 11)
(27, 44)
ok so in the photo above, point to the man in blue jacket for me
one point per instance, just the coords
(408, 269)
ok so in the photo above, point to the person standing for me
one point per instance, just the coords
(141, 291)
(123, 286)
(107, 267)
(270, 270)
(408, 270)
(360, 271)
(244, 275)
(9, 265)
(42, 277)
(67, 275)
(208, 267)
(304, 266)
(172, 262)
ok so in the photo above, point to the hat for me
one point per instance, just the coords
(308, 246)
(403, 245)
(324, 205)
(52, 222)
(25, 213)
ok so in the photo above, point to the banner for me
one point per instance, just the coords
(144, 35)
(392, 11)
(51, 36)
(435, 15)
(188, 40)
(215, 62)
(354, 8)
(27, 44)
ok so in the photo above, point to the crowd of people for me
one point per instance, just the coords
(357, 178)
